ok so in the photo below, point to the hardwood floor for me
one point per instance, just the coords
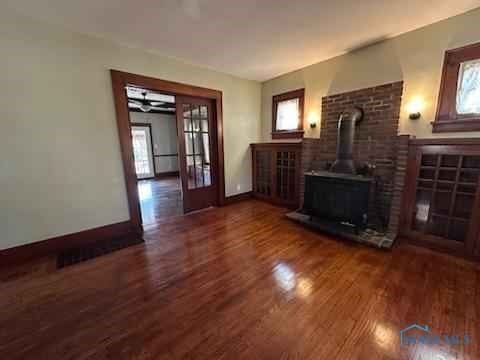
(242, 282)
(160, 198)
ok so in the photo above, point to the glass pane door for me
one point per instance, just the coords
(197, 145)
(446, 189)
(194, 123)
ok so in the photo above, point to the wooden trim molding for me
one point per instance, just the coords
(447, 119)
(274, 145)
(122, 79)
(53, 246)
(294, 133)
(445, 141)
(167, 174)
(153, 111)
(232, 199)
(279, 135)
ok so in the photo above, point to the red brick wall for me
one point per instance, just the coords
(398, 184)
(376, 141)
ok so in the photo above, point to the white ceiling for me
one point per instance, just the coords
(253, 39)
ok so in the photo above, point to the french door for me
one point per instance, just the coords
(142, 151)
(197, 160)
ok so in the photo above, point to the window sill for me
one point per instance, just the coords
(458, 125)
(288, 134)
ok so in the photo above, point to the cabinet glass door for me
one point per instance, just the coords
(445, 195)
(286, 175)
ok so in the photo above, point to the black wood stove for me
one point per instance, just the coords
(339, 195)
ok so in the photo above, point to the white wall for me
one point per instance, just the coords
(60, 165)
(415, 57)
(164, 136)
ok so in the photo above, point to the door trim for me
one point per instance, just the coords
(120, 80)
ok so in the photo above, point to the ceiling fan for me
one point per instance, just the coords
(144, 104)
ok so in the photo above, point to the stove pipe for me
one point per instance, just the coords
(346, 135)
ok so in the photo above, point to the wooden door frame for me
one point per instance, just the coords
(120, 80)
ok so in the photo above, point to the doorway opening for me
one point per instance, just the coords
(184, 171)
(142, 151)
(155, 150)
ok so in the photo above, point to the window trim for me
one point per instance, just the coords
(294, 133)
(447, 119)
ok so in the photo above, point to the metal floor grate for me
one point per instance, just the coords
(77, 255)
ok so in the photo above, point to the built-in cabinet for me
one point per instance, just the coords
(442, 193)
(276, 172)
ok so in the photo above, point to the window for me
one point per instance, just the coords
(459, 99)
(287, 112)
(468, 92)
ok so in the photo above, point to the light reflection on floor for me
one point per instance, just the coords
(144, 190)
(160, 198)
(385, 337)
(289, 282)
(284, 276)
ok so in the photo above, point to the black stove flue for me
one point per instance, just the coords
(346, 136)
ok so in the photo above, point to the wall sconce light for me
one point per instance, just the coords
(313, 119)
(414, 108)
(415, 116)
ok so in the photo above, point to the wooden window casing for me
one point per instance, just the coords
(447, 118)
(296, 133)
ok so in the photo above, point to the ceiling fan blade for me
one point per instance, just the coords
(137, 102)
(163, 105)
(146, 107)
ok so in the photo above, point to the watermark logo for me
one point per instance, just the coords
(425, 336)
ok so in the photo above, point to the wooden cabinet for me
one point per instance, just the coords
(276, 172)
(442, 195)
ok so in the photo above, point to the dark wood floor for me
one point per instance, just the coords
(160, 198)
(242, 282)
